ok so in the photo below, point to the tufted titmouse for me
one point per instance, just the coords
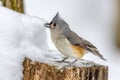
(68, 42)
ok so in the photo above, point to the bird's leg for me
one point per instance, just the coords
(63, 60)
(70, 64)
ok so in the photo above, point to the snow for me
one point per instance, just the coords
(20, 36)
(70, 63)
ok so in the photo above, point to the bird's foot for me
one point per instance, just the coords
(63, 60)
(70, 64)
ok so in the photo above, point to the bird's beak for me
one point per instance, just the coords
(47, 25)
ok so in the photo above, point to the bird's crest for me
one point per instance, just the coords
(55, 18)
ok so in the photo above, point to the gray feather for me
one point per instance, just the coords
(78, 41)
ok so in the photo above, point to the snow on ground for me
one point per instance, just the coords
(20, 36)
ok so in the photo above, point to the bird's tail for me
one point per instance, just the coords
(96, 52)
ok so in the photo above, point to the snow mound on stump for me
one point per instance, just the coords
(20, 36)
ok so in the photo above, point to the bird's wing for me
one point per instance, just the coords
(78, 41)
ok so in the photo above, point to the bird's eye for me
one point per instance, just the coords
(54, 24)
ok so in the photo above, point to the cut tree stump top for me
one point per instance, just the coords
(34, 70)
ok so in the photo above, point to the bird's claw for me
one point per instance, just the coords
(70, 64)
(63, 60)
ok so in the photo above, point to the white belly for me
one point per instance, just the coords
(64, 46)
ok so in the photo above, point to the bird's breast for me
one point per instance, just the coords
(66, 48)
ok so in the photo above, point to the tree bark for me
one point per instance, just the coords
(118, 24)
(16, 5)
(42, 71)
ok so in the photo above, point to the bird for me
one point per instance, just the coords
(68, 42)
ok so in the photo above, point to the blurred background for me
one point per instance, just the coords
(98, 21)
(94, 20)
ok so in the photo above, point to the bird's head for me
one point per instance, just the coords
(57, 24)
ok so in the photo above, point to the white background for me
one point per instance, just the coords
(91, 19)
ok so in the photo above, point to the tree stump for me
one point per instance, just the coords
(42, 71)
